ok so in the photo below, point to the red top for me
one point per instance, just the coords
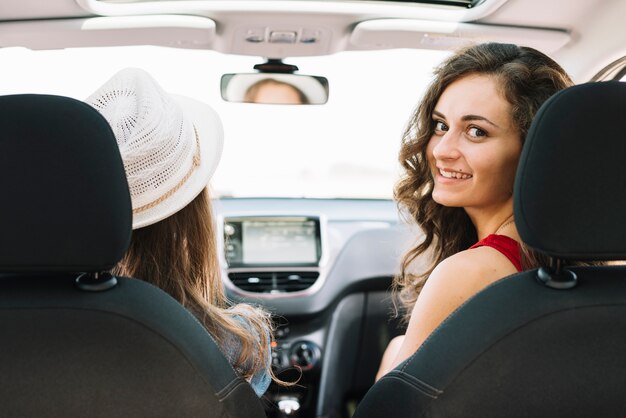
(507, 246)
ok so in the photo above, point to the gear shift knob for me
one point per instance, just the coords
(289, 406)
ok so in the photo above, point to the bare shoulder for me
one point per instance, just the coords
(470, 270)
(452, 282)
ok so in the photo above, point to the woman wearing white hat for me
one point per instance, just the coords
(171, 146)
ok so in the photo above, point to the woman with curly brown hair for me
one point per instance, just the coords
(459, 154)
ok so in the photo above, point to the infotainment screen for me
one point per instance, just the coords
(272, 241)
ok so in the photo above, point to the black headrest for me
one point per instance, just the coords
(65, 204)
(570, 189)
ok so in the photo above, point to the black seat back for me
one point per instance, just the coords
(77, 342)
(549, 342)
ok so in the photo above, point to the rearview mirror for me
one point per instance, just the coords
(274, 88)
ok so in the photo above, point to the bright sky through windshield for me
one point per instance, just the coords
(346, 148)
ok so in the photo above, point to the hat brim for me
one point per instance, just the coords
(211, 139)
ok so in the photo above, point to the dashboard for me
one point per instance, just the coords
(323, 267)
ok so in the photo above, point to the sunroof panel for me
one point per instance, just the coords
(458, 3)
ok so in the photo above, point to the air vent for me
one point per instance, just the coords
(274, 282)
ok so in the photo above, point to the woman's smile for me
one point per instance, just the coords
(448, 174)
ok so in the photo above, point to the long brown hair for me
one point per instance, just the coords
(526, 79)
(179, 255)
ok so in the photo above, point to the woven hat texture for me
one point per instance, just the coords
(170, 144)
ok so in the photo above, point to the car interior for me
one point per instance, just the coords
(304, 202)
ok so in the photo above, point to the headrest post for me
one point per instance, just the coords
(557, 277)
(96, 282)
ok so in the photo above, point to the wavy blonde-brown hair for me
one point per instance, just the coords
(179, 255)
(526, 79)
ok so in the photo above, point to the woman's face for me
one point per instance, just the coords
(276, 93)
(475, 148)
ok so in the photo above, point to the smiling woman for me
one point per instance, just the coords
(460, 156)
(473, 157)
(307, 151)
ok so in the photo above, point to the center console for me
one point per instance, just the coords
(323, 268)
(282, 257)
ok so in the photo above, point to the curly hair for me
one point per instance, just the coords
(526, 78)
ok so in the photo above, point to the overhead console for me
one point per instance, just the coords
(273, 254)
(426, 34)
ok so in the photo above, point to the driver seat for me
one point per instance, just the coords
(548, 342)
(76, 341)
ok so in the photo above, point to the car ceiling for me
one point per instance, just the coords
(584, 36)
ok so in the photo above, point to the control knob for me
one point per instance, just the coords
(304, 354)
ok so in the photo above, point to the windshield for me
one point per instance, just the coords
(346, 148)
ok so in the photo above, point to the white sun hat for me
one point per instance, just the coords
(170, 144)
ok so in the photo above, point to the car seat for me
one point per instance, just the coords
(76, 341)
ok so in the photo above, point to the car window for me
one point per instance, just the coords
(346, 148)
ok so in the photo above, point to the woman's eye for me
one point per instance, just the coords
(440, 126)
(475, 132)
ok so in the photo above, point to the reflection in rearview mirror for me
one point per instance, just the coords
(274, 88)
